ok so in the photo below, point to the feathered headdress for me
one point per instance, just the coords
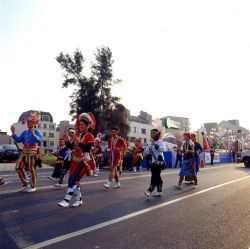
(34, 116)
(88, 118)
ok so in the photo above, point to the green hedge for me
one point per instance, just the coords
(49, 160)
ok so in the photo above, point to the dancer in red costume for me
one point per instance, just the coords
(137, 156)
(83, 161)
(116, 147)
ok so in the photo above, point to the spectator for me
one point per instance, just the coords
(212, 155)
(233, 153)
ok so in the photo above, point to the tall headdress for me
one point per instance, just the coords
(88, 118)
(33, 116)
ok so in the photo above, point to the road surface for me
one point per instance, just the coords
(215, 215)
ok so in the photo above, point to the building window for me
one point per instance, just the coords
(45, 118)
(44, 144)
(134, 129)
(45, 126)
(51, 144)
(39, 126)
(145, 140)
(51, 127)
(51, 134)
(132, 139)
(44, 134)
(143, 131)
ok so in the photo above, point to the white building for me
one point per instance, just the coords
(63, 126)
(140, 127)
(47, 128)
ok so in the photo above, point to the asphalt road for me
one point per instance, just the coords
(215, 215)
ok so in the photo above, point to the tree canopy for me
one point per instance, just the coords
(93, 93)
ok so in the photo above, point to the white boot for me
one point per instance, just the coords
(147, 193)
(63, 203)
(24, 189)
(120, 170)
(30, 190)
(107, 185)
(78, 196)
(117, 185)
(158, 194)
(134, 171)
(67, 198)
(77, 204)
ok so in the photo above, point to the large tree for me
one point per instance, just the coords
(94, 93)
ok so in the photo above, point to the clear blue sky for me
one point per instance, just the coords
(182, 58)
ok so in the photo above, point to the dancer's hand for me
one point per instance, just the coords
(13, 129)
(33, 132)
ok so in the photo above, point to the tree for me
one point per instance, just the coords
(94, 93)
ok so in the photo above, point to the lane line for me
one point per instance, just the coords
(126, 217)
(105, 180)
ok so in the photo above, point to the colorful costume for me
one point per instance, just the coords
(178, 158)
(137, 156)
(205, 142)
(82, 163)
(197, 151)
(188, 167)
(26, 161)
(98, 156)
(116, 147)
(188, 170)
(63, 162)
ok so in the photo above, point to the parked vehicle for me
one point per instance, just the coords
(8, 152)
(245, 158)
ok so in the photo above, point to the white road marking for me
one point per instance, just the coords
(126, 217)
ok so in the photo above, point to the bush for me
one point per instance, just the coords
(49, 160)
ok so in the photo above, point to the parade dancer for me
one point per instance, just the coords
(97, 153)
(155, 150)
(63, 162)
(116, 147)
(178, 157)
(137, 156)
(188, 165)
(83, 161)
(197, 151)
(30, 139)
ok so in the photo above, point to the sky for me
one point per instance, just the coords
(178, 58)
